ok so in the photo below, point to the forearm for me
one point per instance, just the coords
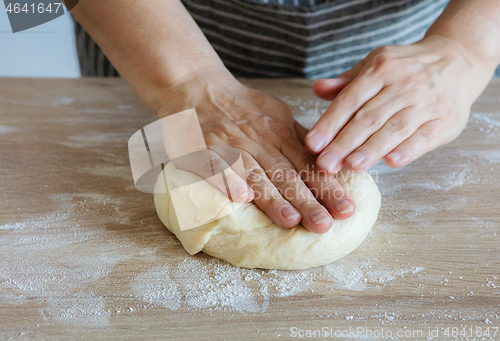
(475, 25)
(154, 44)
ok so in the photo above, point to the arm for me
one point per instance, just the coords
(154, 45)
(403, 101)
(475, 25)
(161, 52)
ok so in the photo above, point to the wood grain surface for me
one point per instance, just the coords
(84, 255)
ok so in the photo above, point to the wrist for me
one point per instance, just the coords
(474, 26)
(467, 66)
(455, 48)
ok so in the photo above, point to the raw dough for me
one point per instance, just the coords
(248, 238)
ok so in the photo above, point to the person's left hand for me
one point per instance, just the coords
(399, 103)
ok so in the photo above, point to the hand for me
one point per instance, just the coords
(280, 171)
(397, 104)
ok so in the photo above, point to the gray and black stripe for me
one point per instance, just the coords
(293, 38)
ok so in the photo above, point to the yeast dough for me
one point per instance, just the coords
(248, 238)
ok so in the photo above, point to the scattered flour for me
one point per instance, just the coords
(72, 288)
(450, 180)
(68, 266)
(74, 262)
(157, 287)
(455, 179)
(88, 310)
(483, 156)
(206, 283)
(7, 129)
(348, 275)
(62, 101)
(48, 261)
(219, 286)
(487, 119)
(306, 112)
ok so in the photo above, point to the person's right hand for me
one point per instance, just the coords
(280, 171)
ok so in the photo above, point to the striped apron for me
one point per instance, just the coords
(292, 38)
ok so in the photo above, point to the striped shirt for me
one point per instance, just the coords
(293, 38)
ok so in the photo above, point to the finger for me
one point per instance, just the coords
(349, 101)
(301, 132)
(328, 89)
(267, 197)
(238, 189)
(283, 175)
(323, 185)
(210, 166)
(233, 157)
(396, 130)
(425, 139)
(368, 120)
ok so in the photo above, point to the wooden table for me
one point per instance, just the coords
(84, 254)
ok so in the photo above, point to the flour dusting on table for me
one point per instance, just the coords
(73, 289)
(194, 282)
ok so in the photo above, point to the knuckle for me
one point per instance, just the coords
(271, 201)
(383, 50)
(220, 126)
(281, 105)
(400, 124)
(273, 198)
(383, 61)
(283, 174)
(249, 132)
(430, 133)
(418, 83)
(368, 119)
(316, 193)
(348, 100)
(282, 129)
(306, 205)
(306, 164)
(326, 189)
(255, 174)
(421, 78)
(330, 190)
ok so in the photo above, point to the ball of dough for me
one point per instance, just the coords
(248, 238)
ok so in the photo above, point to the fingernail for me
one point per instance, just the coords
(328, 161)
(316, 141)
(336, 80)
(289, 212)
(356, 159)
(395, 156)
(242, 190)
(320, 217)
(343, 206)
(251, 194)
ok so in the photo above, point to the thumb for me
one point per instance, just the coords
(328, 89)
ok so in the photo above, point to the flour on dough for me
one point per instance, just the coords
(248, 238)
